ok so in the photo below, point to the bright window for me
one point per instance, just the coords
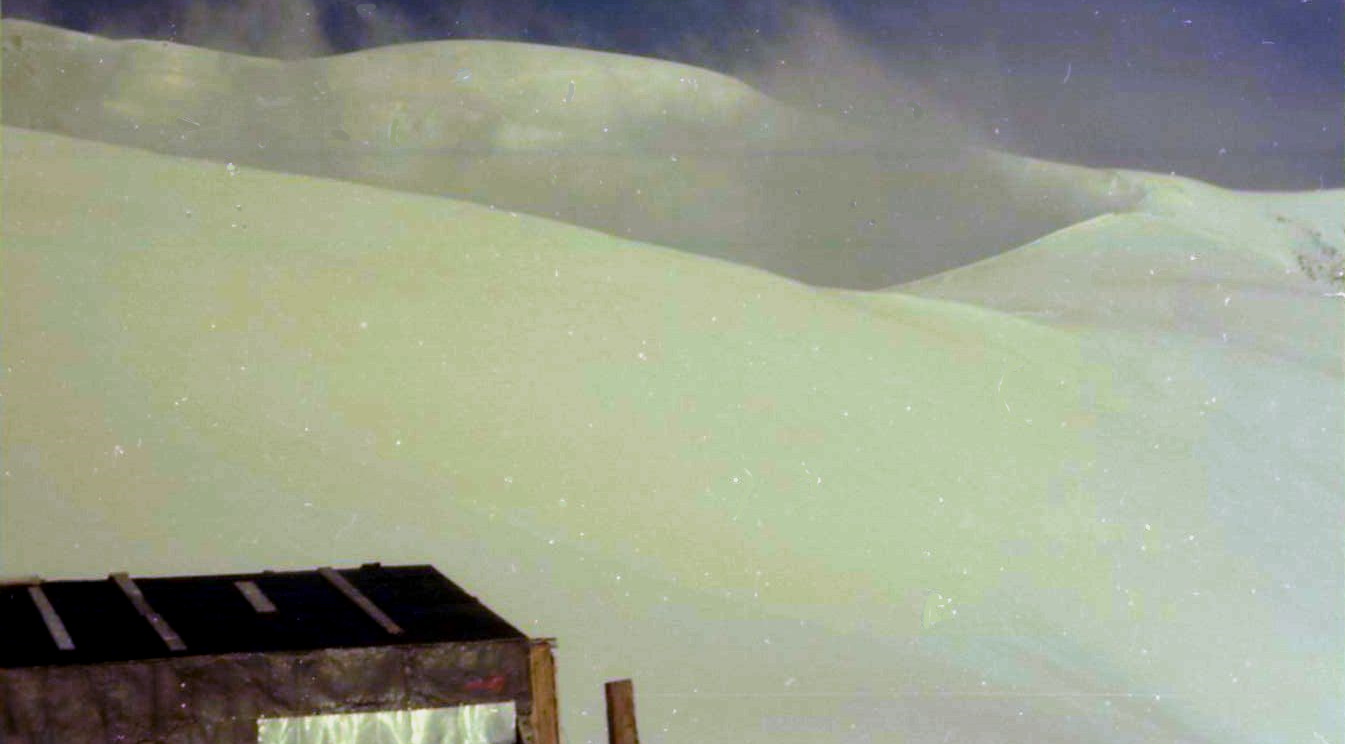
(466, 724)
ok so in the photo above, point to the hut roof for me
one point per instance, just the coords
(126, 619)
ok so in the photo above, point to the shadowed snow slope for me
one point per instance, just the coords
(791, 514)
(637, 148)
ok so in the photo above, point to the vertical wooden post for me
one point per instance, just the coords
(621, 713)
(545, 718)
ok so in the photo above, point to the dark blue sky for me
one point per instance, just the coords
(1134, 83)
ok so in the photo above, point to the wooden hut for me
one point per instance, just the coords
(375, 654)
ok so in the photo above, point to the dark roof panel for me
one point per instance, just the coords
(212, 615)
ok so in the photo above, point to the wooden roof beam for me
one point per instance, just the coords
(363, 602)
(166, 633)
(55, 627)
(253, 593)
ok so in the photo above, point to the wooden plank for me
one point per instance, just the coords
(542, 675)
(161, 626)
(356, 596)
(621, 713)
(253, 593)
(55, 627)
